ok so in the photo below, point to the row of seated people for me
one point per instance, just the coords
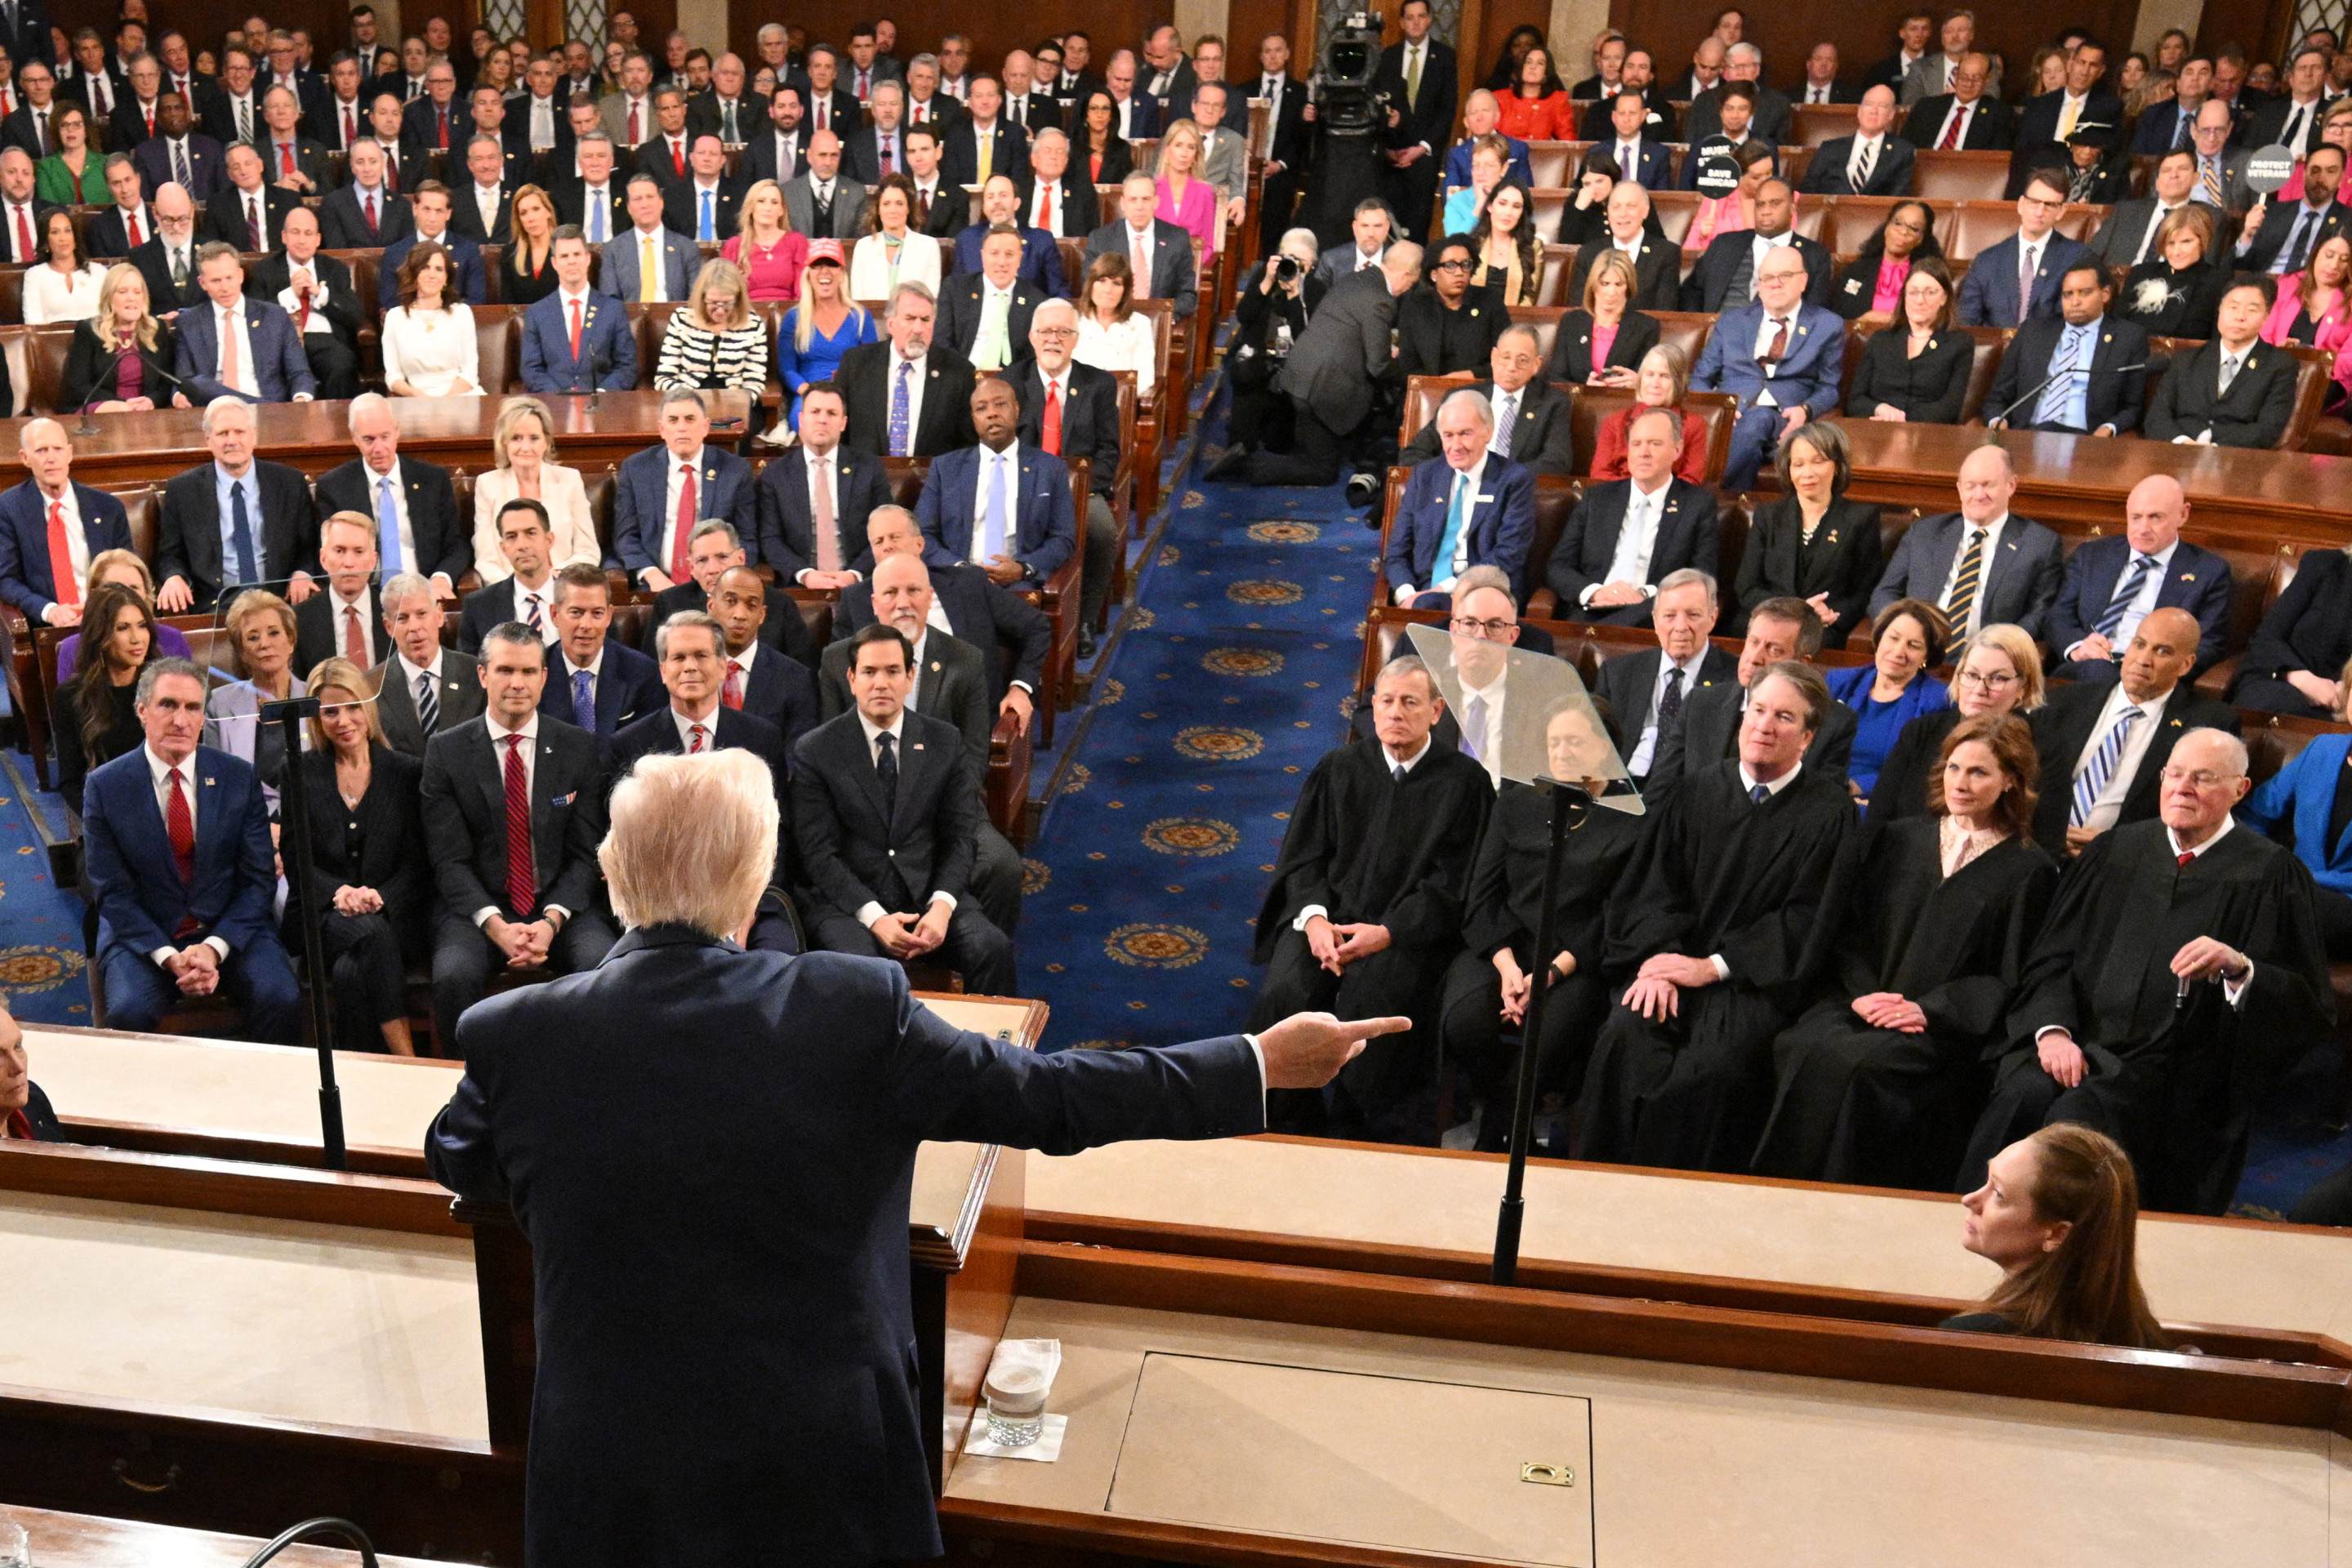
(2265, 631)
(1748, 976)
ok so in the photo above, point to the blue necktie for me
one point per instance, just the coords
(1441, 569)
(2111, 619)
(2290, 256)
(1760, 794)
(387, 528)
(993, 529)
(584, 700)
(2057, 401)
(2094, 779)
(710, 225)
(899, 417)
(240, 535)
(597, 209)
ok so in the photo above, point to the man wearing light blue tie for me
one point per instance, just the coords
(704, 206)
(413, 502)
(1471, 507)
(997, 506)
(2087, 372)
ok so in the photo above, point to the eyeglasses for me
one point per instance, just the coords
(1055, 332)
(1451, 266)
(1489, 631)
(1988, 682)
(2202, 779)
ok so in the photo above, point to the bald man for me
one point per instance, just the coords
(2113, 584)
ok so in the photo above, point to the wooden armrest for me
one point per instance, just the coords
(1007, 783)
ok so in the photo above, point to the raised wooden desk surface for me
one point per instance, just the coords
(1698, 1465)
(85, 1541)
(454, 432)
(2085, 478)
(2240, 1272)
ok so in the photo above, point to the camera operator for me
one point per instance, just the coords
(1336, 376)
(1269, 318)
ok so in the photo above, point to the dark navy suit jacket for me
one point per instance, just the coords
(142, 902)
(25, 578)
(947, 508)
(793, 1093)
(2195, 580)
(1989, 293)
(1041, 258)
(723, 488)
(1500, 525)
(782, 692)
(608, 349)
(470, 282)
(280, 368)
(787, 531)
(628, 686)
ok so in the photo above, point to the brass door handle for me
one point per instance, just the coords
(1548, 1473)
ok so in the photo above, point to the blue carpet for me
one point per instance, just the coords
(41, 966)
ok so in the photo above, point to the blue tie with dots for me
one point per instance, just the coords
(584, 700)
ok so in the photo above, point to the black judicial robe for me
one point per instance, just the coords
(1714, 873)
(2173, 1081)
(1902, 788)
(1865, 1105)
(1505, 906)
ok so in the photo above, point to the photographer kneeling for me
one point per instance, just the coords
(1335, 376)
(1268, 319)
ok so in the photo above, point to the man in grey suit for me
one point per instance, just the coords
(1166, 247)
(622, 276)
(2128, 237)
(1980, 565)
(1335, 374)
(1932, 74)
(1224, 158)
(821, 201)
(424, 688)
(1371, 229)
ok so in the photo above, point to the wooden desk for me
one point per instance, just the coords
(455, 432)
(85, 1541)
(2259, 496)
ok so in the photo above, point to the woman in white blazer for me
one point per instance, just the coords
(892, 253)
(524, 447)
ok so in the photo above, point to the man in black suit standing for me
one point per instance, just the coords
(273, 532)
(1967, 119)
(315, 291)
(906, 396)
(1647, 690)
(1166, 77)
(1071, 410)
(1912, 37)
(816, 479)
(791, 1078)
(1778, 630)
(514, 807)
(975, 608)
(1418, 74)
(1535, 424)
(887, 810)
(1290, 146)
(695, 721)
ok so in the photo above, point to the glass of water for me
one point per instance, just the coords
(1017, 1408)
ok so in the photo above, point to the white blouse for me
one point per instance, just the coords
(54, 296)
(870, 277)
(1130, 346)
(433, 351)
(564, 495)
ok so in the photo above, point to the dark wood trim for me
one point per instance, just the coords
(220, 1186)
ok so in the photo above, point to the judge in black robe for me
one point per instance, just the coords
(2170, 1066)
(1717, 933)
(1383, 860)
(1501, 915)
(1867, 1105)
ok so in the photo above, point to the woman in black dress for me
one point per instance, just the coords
(1102, 152)
(120, 359)
(1486, 988)
(96, 714)
(1873, 1080)
(1872, 283)
(1608, 322)
(1915, 368)
(2177, 291)
(526, 272)
(1449, 324)
(369, 875)
(1813, 544)
(2000, 671)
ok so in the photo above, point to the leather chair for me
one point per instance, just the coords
(1559, 263)
(1594, 406)
(498, 343)
(1676, 211)
(12, 293)
(2315, 372)
(44, 349)
(1554, 162)
(1811, 125)
(1963, 177)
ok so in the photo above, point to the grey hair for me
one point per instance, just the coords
(702, 618)
(692, 841)
(710, 525)
(683, 393)
(1744, 50)
(1473, 399)
(1410, 664)
(1683, 577)
(1305, 236)
(2232, 747)
(365, 402)
(403, 587)
(919, 290)
(222, 405)
(1486, 575)
(160, 667)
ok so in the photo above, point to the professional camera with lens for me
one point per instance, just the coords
(1345, 101)
(1285, 269)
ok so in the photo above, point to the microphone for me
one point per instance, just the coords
(2042, 386)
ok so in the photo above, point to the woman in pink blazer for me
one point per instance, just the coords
(2314, 310)
(1186, 199)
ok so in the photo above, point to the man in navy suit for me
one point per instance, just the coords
(1872, 161)
(429, 204)
(2113, 584)
(236, 347)
(1007, 143)
(514, 807)
(1166, 247)
(576, 339)
(2014, 573)
(997, 506)
(1641, 157)
(2083, 374)
(666, 490)
(1782, 357)
(177, 840)
(789, 501)
(235, 520)
(51, 529)
(176, 154)
(1041, 257)
(1466, 508)
(1730, 271)
(2027, 267)
(598, 684)
(1627, 536)
(755, 676)
(792, 1077)
(693, 721)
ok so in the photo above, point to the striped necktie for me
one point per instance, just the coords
(2091, 782)
(1962, 602)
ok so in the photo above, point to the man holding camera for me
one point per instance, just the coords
(1268, 319)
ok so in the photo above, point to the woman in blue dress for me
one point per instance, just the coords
(2308, 805)
(821, 327)
(1895, 687)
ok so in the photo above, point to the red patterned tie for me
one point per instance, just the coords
(576, 307)
(61, 556)
(732, 692)
(355, 647)
(1051, 438)
(131, 226)
(684, 531)
(181, 826)
(1951, 140)
(286, 160)
(695, 747)
(443, 116)
(634, 137)
(23, 236)
(522, 881)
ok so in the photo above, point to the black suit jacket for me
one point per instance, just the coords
(2037, 122)
(2255, 413)
(1042, 111)
(682, 207)
(1571, 345)
(2063, 731)
(783, 629)
(391, 855)
(465, 818)
(1544, 439)
(1630, 682)
(273, 274)
(571, 195)
(1431, 120)
(954, 686)
(10, 250)
(2310, 625)
(152, 265)
(319, 631)
(1710, 282)
(2279, 223)
(960, 154)
(961, 302)
(88, 376)
(856, 846)
(655, 735)
(1710, 728)
(788, 528)
(1992, 124)
(704, 118)
(224, 217)
(760, 156)
(1826, 174)
(1090, 427)
(945, 422)
(1657, 272)
(188, 543)
(465, 218)
(104, 236)
(1687, 536)
(945, 216)
(984, 614)
(2116, 393)
(2268, 127)
(342, 226)
(1077, 210)
(1435, 340)
(1843, 562)
(444, 540)
(782, 691)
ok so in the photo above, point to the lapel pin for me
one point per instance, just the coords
(1833, 536)
(935, 666)
(710, 473)
(2189, 577)
(209, 781)
(918, 745)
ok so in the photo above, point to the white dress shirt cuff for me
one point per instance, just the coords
(1258, 1051)
(2233, 992)
(482, 916)
(2051, 1029)
(1722, 970)
(1310, 912)
(947, 898)
(220, 949)
(163, 955)
(868, 912)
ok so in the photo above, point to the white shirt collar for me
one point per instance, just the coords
(157, 768)
(411, 671)
(1747, 780)
(1411, 762)
(896, 730)
(595, 670)
(1475, 474)
(529, 732)
(2228, 822)
(744, 660)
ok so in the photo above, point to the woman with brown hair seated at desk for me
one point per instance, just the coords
(2060, 1213)
(1870, 1079)
(95, 715)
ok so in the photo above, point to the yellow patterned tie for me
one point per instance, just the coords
(987, 145)
(646, 292)
(1412, 77)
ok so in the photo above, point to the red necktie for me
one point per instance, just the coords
(23, 236)
(301, 312)
(1951, 140)
(634, 137)
(151, 121)
(678, 570)
(1052, 436)
(731, 691)
(443, 116)
(131, 227)
(181, 826)
(694, 747)
(678, 156)
(1779, 346)
(61, 557)
(1049, 226)
(20, 1125)
(522, 881)
(2185, 858)
(391, 169)
(367, 210)
(355, 647)
(576, 305)
(865, 86)
(351, 129)
(285, 159)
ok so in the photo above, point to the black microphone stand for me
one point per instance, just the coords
(294, 849)
(1570, 803)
